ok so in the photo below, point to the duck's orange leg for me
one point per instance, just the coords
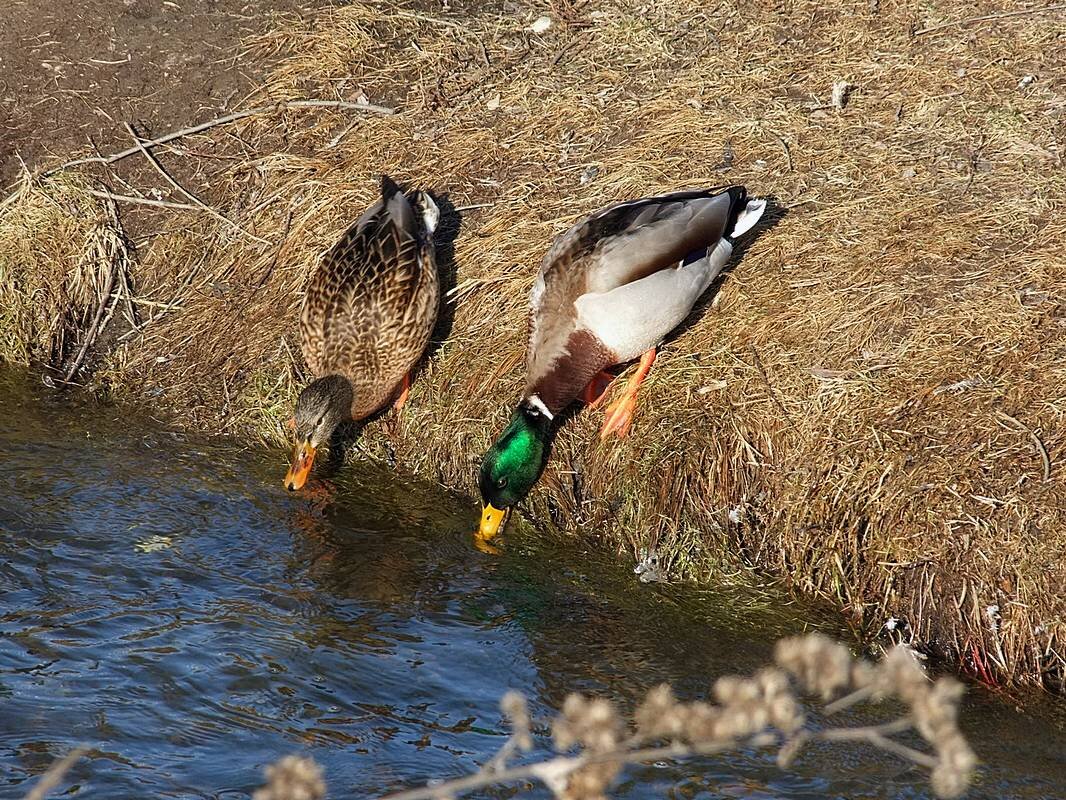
(620, 411)
(405, 391)
(596, 389)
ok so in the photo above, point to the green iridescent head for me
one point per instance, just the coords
(512, 466)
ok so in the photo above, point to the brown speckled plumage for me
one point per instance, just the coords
(372, 303)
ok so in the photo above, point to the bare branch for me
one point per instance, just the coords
(874, 737)
(214, 123)
(755, 712)
(987, 17)
(54, 774)
(141, 146)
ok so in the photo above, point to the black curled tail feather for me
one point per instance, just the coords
(389, 187)
(738, 201)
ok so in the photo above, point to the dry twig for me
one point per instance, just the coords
(144, 201)
(214, 123)
(141, 145)
(54, 774)
(751, 712)
(1025, 12)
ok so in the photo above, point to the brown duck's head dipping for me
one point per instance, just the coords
(512, 466)
(322, 406)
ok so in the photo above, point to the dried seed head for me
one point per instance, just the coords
(736, 722)
(592, 782)
(594, 724)
(785, 713)
(660, 716)
(955, 766)
(514, 707)
(819, 664)
(899, 673)
(749, 705)
(292, 778)
(699, 722)
(771, 681)
(863, 674)
(727, 689)
(935, 711)
(591, 722)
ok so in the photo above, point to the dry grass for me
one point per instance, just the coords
(60, 250)
(865, 407)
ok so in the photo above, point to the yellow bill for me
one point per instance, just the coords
(492, 522)
(303, 456)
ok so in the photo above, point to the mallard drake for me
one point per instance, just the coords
(610, 289)
(367, 316)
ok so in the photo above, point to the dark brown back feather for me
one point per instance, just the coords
(372, 303)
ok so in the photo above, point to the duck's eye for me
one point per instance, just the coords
(501, 483)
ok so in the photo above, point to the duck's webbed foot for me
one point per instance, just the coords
(405, 391)
(620, 411)
(597, 389)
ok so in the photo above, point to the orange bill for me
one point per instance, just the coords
(492, 522)
(303, 456)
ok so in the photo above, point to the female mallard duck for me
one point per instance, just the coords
(610, 289)
(368, 313)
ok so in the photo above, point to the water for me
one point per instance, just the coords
(166, 602)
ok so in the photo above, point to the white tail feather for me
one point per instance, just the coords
(430, 212)
(747, 218)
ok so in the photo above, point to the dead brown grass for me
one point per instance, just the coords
(61, 251)
(865, 408)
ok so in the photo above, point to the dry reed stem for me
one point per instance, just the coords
(759, 711)
(61, 252)
(54, 774)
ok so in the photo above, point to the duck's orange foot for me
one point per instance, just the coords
(405, 391)
(620, 411)
(619, 416)
(597, 389)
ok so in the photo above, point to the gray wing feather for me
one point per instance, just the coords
(659, 235)
(616, 247)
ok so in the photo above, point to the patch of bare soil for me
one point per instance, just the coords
(72, 73)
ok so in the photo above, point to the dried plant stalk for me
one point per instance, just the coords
(593, 743)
